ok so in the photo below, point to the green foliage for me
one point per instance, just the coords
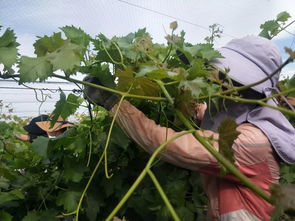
(46, 179)
(32, 69)
(287, 85)
(215, 31)
(51, 174)
(227, 134)
(4, 216)
(77, 36)
(8, 48)
(65, 106)
(272, 27)
(54, 53)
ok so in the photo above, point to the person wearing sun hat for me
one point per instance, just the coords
(33, 129)
(55, 130)
(266, 136)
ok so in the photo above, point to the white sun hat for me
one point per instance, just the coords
(249, 60)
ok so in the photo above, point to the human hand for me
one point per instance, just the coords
(98, 96)
(23, 137)
(200, 111)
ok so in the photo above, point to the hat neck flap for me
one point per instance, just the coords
(273, 123)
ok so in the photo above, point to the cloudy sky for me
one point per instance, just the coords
(237, 18)
(31, 18)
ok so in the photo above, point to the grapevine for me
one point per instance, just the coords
(62, 178)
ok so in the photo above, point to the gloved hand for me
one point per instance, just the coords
(100, 97)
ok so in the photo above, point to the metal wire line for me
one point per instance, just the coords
(186, 21)
(54, 90)
(170, 16)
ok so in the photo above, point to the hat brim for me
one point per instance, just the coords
(46, 126)
(241, 69)
(34, 129)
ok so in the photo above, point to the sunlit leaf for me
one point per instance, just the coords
(139, 85)
(32, 69)
(8, 48)
(76, 35)
(271, 28)
(49, 44)
(205, 51)
(66, 57)
(65, 106)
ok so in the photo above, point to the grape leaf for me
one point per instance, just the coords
(4, 183)
(227, 134)
(140, 85)
(152, 72)
(102, 72)
(40, 145)
(195, 86)
(32, 69)
(68, 199)
(4, 216)
(65, 106)
(103, 44)
(283, 16)
(197, 69)
(127, 46)
(185, 213)
(66, 57)
(32, 216)
(73, 170)
(48, 44)
(8, 48)
(268, 29)
(141, 33)
(119, 138)
(125, 42)
(48, 215)
(205, 51)
(76, 35)
(94, 209)
(10, 196)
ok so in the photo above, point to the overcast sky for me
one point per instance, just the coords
(31, 18)
(237, 18)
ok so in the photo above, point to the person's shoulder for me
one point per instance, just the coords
(248, 127)
(252, 133)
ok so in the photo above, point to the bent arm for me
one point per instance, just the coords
(185, 151)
